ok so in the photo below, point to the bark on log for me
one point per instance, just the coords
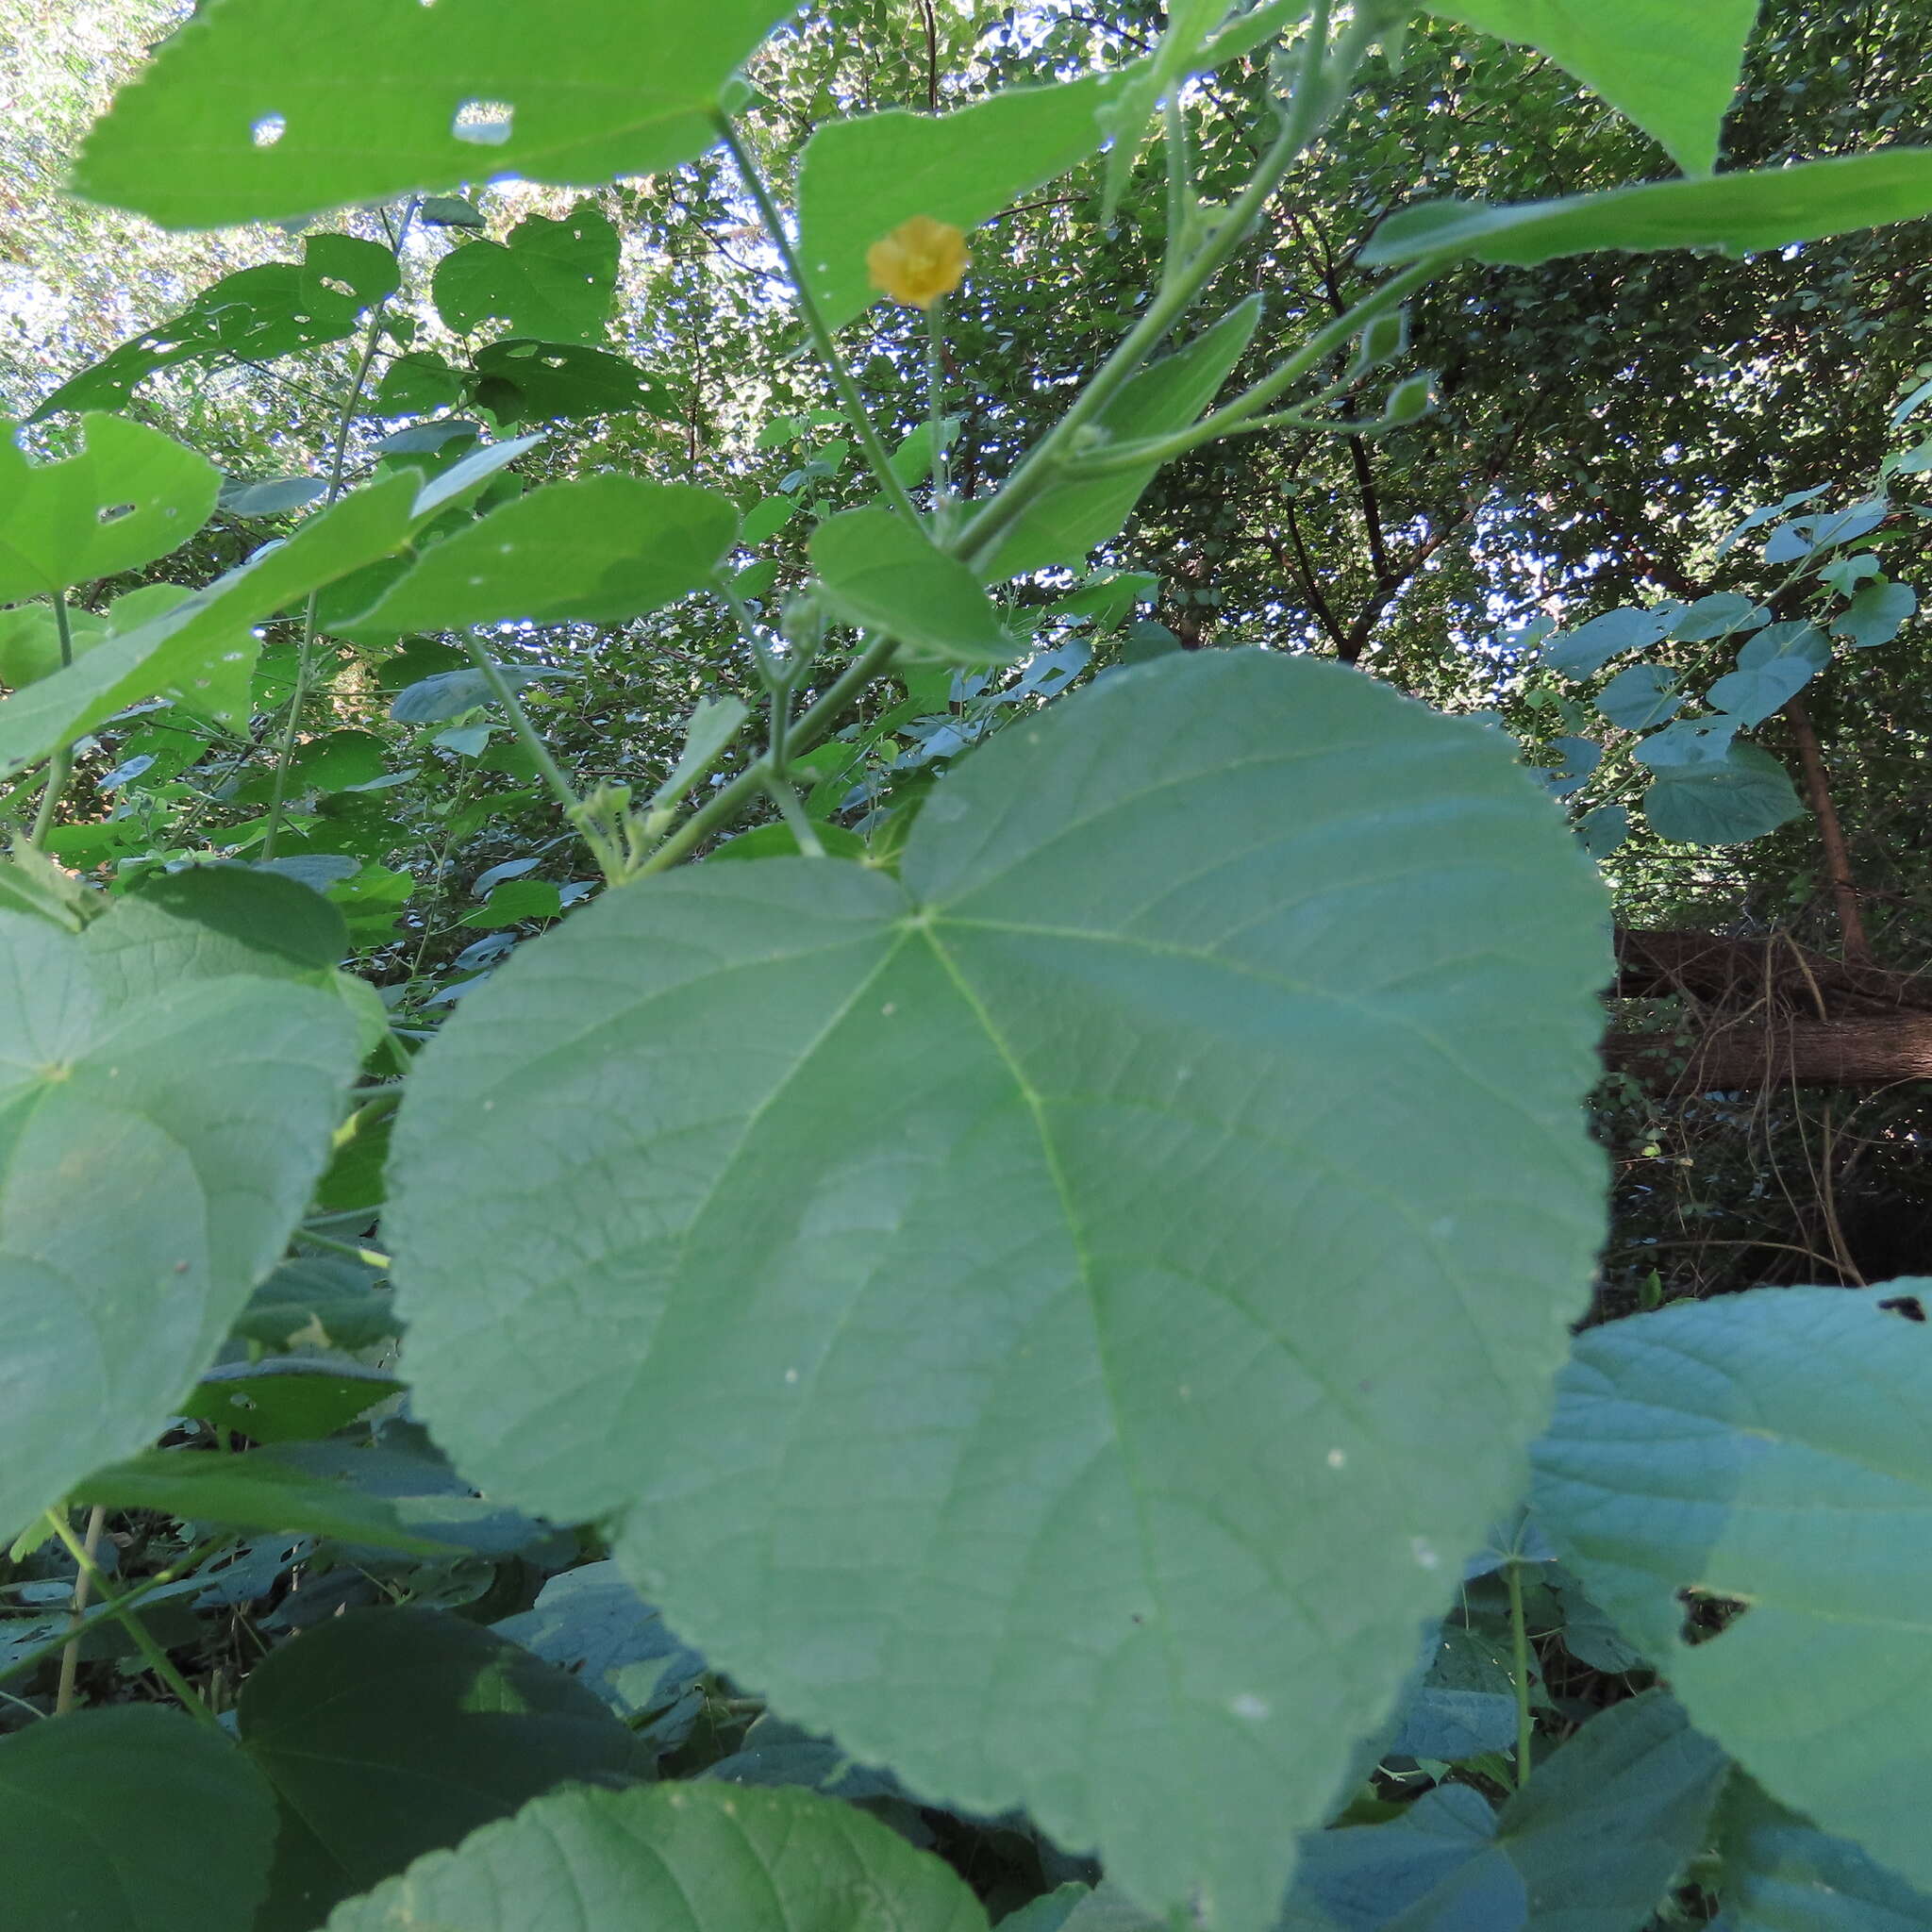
(1873, 1050)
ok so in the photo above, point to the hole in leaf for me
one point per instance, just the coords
(338, 286)
(483, 124)
(112, 514)
(268, 130)
(1910, 1306)
(1706, 1614)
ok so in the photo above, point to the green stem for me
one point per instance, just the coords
(527, 733)
(795, 815)
(158, 1659)
(304, 657)
(935, 416)
(369, 1258)
(1318, 91)
(874, 451)
(1180, 187)
(70, 1658)
(60, 766)
(1519, 1646)
(807, 730)
(1238, 417)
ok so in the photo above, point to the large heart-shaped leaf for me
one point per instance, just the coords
(254, 111)
(132, 1818)
(129, 495)
(153, 1155)
(1680, 100)
(1768, 1454)
(680, 1858)
(1057, 1322)
(550, 279)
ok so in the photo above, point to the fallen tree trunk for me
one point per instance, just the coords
(1726, 970)
(1871, 1050)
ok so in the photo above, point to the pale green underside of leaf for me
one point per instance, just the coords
(599, 550)
(134, 1818)
(1058, 1320)
(859, 180)
(154, 1156)
(676, 1857)
(1775, 1448)
(1769, 207)
(1618, 51)
(369, 93)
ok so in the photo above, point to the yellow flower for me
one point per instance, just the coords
(919, 261)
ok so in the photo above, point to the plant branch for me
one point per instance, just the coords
(158, 1659)
(874, 451)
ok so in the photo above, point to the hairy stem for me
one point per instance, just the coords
(874, 451)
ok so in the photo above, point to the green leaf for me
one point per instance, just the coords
(596, 551)
(516, 901)
(258, 1490)
(130, 496)
(780, 840)
(1876, 614)
(519, 380)
(169, 654)
(30, 640)
(391, 1733)
(416, 384)
(1743, 794)
(1227, 941)
(766, 519)
(676, 1857)
(1589, 1845)
(1640, 697)
(247, 114)
(591, 1623)
(450, 212)
(220, 685)
(876, 570)
(1720, 615)
(134, 1818)
(556, 280)
(1604, 830)
(201, 1112)
(1583, 652)
(1615, 51)
(1781, 1874)
(1069, 518)
(330, 1303)
(1773, 668)
(859, 180)
(1769, 1449)
(450, 693)
(253, 316)
(294, 1400)
(1768, 208)
(712, 724)
(263, 910)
